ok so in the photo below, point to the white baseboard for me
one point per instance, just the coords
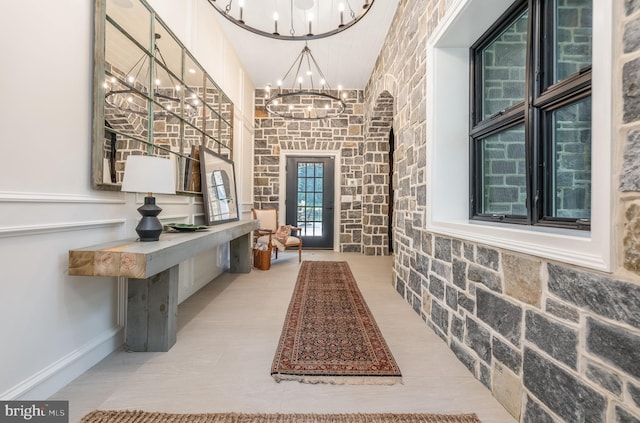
(54, 377)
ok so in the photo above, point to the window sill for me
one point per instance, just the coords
(558, 244)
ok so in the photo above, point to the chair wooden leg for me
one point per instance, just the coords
(300, 254)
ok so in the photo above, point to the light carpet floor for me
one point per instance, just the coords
(228, 333)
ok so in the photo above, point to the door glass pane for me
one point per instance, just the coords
(503, 170)
(572, 37)
(571, 183)
(310, 199)
(503, 68)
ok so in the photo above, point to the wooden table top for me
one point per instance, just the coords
(141, 260)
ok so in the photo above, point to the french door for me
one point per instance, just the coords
(309, 199)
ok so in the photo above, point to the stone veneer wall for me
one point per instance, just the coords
(274, 135)
(375, 199)
(551, 341)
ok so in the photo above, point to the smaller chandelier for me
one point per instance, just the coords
(305, 20)
(303, 100)
(123, 92)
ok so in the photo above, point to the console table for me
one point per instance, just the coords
(152, 270)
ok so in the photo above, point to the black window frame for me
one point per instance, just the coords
(542, 97)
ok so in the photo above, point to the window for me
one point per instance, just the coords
(531, 116)
(448, 117)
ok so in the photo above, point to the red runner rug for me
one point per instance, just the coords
(329, 334)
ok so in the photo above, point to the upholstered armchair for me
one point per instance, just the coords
(272, 234)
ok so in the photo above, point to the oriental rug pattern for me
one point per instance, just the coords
(148, 417)
(329, 334)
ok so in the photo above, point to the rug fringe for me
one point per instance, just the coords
(341, 380)
(154, 417)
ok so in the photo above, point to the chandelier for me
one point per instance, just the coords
(303, 100)
(122, 91)
(304, 19)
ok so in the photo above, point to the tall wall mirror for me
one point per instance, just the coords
(151, 96)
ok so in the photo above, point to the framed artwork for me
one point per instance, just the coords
(218, 187)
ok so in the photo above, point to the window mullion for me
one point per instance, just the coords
(534, 76)
(555, 93)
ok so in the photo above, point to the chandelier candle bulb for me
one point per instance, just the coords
(295, 12)
(275, 23)
(241, 4)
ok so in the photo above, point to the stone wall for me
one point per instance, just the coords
(551, 341)
(504, 170)
(573, 160)
(504, 71)
(360, 161)
(630, 137)
(376, 180)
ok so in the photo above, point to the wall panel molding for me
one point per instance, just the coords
(51, 378)
(184, 218)
(10, 231)
(182, 200)
(35, 197)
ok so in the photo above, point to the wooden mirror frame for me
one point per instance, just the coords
(218, 184)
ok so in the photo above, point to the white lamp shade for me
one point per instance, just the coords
(148, 174)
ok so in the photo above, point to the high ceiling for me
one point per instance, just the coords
(346, 58)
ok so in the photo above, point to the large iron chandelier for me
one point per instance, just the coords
(302, 19)
(304, 100)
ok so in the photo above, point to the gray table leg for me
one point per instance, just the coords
(152, 309)
(240, 254)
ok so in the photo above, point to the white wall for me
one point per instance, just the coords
(55, 326)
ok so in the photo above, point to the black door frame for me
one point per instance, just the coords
(335, 155)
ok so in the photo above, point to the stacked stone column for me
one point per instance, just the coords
(375, 199)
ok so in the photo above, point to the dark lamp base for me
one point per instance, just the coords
(150, 227)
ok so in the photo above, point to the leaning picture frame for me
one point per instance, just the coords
(218, 187)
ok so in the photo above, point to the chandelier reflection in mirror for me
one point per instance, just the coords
(305, 19)
(303, 100)
(127, 91)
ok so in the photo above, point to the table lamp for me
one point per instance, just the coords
(151, 175)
